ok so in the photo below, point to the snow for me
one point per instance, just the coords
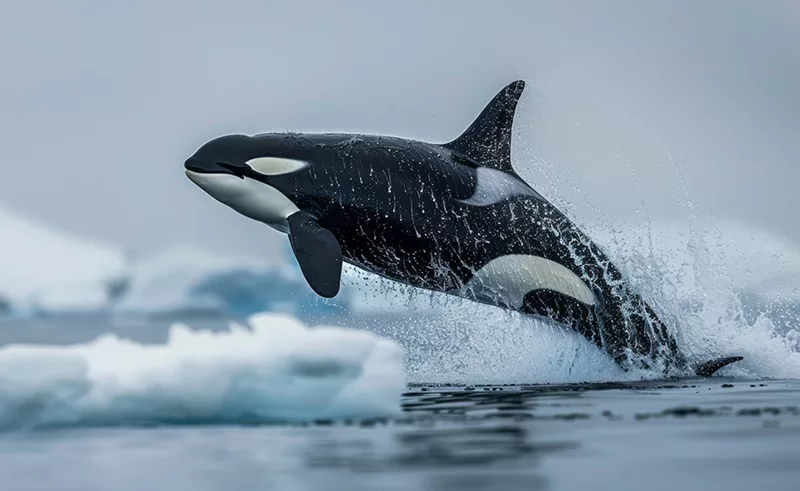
(41, 263)
(273, 369)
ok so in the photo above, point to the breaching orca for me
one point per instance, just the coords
(452, 217)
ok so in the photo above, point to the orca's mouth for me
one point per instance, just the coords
(205, 167)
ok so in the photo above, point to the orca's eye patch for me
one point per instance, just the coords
(273, 166)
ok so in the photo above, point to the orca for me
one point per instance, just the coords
(449, 217)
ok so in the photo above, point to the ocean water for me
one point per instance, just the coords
(92, 403)
(409, 391)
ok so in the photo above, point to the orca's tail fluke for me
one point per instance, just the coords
(709, 368)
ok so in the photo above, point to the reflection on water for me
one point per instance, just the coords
(461, 438)
(436, 447)
(512, 437)
(457, 456)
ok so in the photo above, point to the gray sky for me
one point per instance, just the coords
(101, 102)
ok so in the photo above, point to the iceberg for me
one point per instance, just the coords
(271, 369)
(45, 269)
(189, 280)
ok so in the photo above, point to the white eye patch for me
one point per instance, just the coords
(273, 166)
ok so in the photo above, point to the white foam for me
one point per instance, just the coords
(278, 370)
(719, 328)
(709, 265)
(477, 344)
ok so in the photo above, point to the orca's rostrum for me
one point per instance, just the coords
(453, 218)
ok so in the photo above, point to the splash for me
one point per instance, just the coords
(723, 287)
(728, 289)
(451, 340)
(274, 369)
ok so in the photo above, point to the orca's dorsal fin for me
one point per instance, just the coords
(487, 142)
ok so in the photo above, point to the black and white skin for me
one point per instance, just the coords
(453, 218)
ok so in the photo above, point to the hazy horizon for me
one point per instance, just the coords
(630, 109)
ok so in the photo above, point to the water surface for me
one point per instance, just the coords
(703, 434)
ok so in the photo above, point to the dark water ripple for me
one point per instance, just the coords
(703, 434)
(539, 437)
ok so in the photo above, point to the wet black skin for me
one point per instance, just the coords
(393, 205)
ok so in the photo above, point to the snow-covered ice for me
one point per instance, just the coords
(273, 369)
(43, 268)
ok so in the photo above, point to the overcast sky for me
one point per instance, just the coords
(630, 104)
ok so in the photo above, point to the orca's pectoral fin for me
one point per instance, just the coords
(708, 368)
(318, 253)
